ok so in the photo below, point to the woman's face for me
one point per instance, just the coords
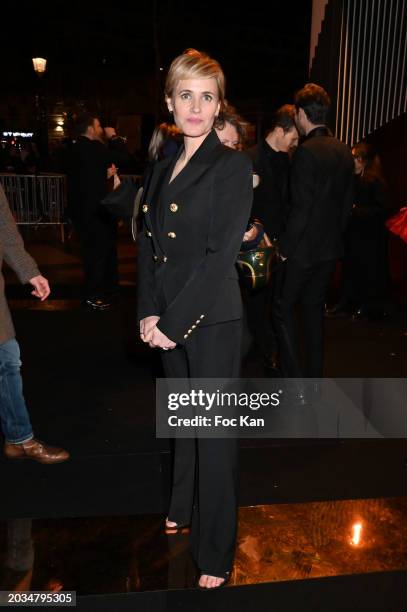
(229, 136)
(195, 104)
(359, 163)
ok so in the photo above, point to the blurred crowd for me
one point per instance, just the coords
(20, 157)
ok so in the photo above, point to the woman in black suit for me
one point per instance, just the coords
(365, 281)
(196, 209)
(366, 275)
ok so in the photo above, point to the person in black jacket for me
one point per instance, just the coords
(196, 207)
(271, 165)
(91, 163)
(365, 280)
(321, 185)
(270, 206)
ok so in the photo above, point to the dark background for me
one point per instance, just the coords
(109, 57)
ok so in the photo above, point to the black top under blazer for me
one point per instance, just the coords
(270, 197)
(191, 234)
(321, 187)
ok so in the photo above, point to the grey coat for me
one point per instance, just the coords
(13, 252)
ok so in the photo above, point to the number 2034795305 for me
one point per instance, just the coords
(37, 598)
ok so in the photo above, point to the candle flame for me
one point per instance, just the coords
(356, 532)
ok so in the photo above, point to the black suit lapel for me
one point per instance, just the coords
(152, 191)
(202, 159)
(155, 181)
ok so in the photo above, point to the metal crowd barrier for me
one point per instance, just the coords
(40, 199)
(36, 199)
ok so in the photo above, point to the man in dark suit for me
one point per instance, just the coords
(91, 164)
(321, 200)
(270, 202)
(270, 166)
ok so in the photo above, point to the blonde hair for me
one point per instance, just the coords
(162, 133)
(193, 64)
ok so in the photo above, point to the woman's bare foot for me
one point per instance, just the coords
(210, 582)
(170, 524)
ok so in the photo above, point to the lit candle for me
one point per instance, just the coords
(356, 531)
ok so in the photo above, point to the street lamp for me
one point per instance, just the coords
(40, 65)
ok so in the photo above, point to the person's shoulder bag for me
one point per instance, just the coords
(120, 201)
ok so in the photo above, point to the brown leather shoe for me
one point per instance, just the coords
(33, 449)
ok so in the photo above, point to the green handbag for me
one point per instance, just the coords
(255, 265)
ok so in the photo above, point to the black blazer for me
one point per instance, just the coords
(321, 185)
(191, 234)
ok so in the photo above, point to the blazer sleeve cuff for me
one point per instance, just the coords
(178, 331)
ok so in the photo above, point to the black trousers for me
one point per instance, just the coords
(307, 285)
(259, 320)
(204, 492)
(98, 238)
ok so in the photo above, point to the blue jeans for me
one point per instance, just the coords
(14, 418)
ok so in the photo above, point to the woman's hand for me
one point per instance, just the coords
(251, 234)
(146, 327)
(160, 340)
(111, 171)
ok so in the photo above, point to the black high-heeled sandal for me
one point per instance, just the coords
(178, 528)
